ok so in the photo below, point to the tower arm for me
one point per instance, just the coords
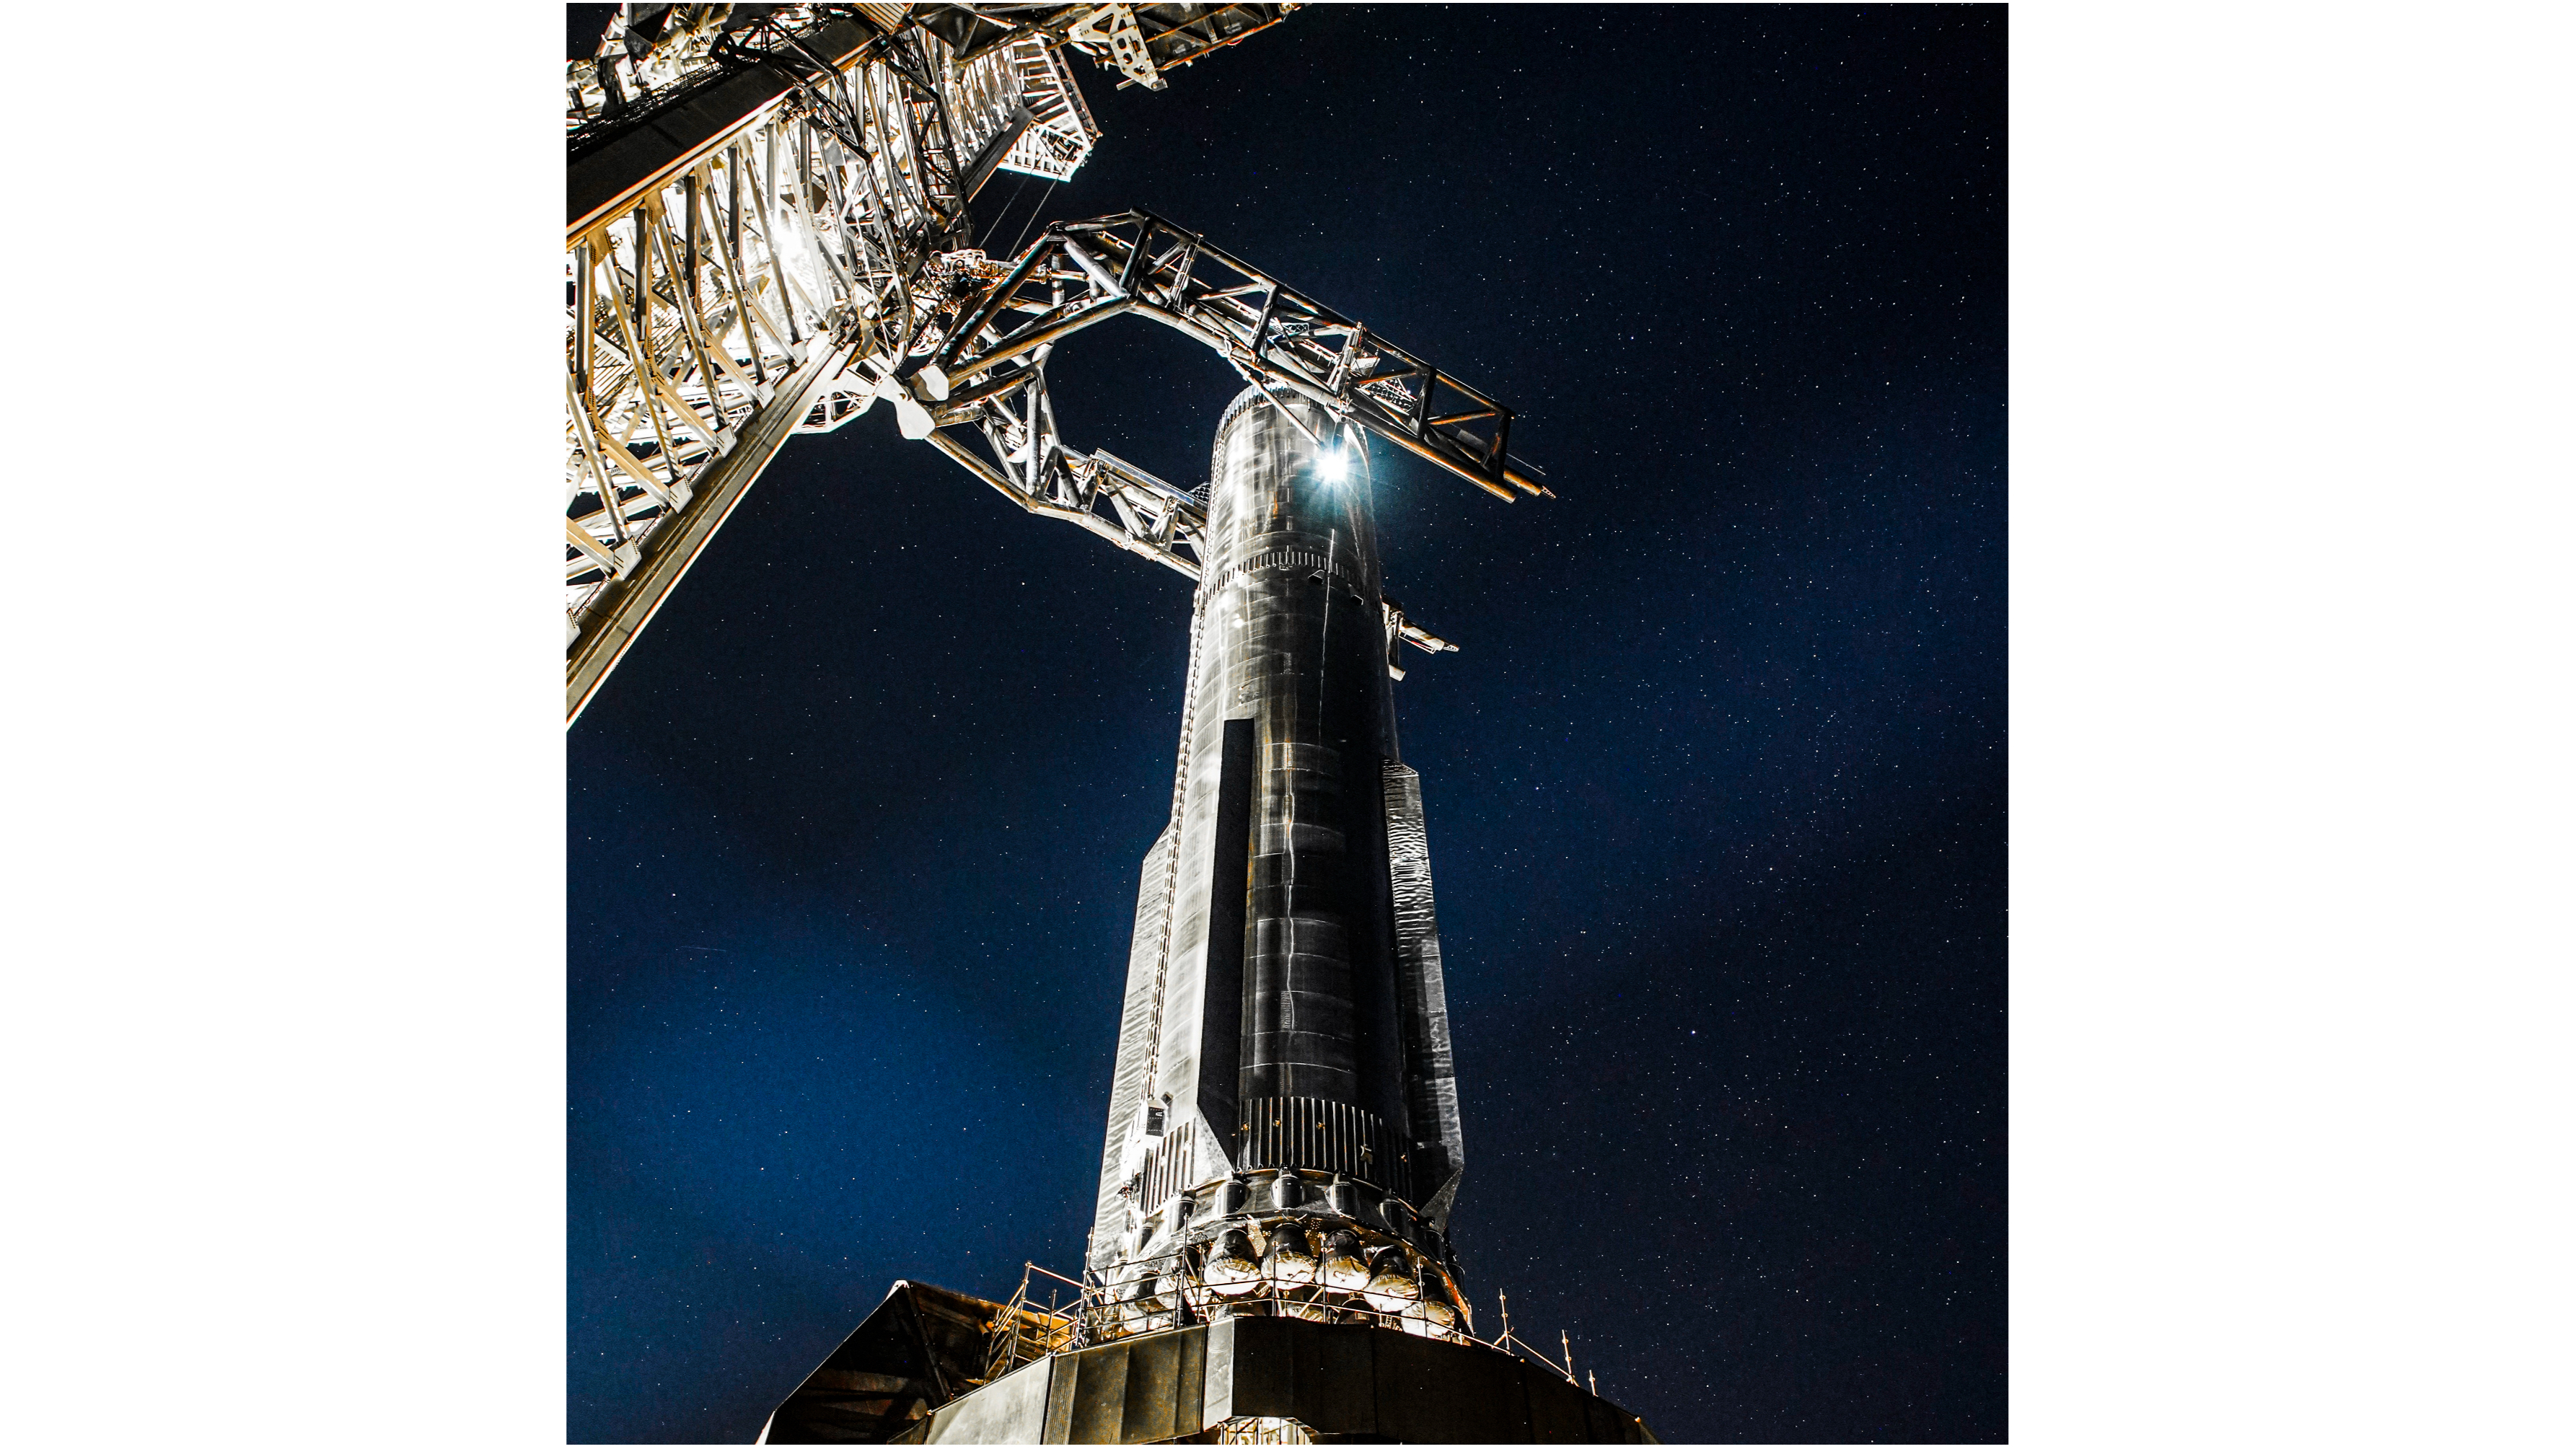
(761, 198)
(1081, 273)
(979, 372)
(1026, 460)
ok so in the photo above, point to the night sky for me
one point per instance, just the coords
(1716, 788)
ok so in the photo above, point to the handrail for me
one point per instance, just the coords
(1095, 1317)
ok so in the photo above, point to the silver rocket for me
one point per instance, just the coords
(1270, 1260)
(1284, 1089)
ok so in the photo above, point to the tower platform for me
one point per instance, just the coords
(1257, 1380)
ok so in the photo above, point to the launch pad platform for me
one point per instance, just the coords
(1237, 1380)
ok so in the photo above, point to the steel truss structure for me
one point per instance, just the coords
(989, 373)
(769, 232)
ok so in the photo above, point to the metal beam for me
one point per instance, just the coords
(652, 151)
(744, 186)
(675, 545)
(981, 169)
(1280, 342)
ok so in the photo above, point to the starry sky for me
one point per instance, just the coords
(1715, 790)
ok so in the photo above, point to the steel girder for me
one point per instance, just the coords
(1086, 272)
(989, 374)
(769, 233)
(738, 282)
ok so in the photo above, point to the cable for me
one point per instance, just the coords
(1000, 215)
(1033, 216)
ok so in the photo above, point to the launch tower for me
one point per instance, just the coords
(770, 231)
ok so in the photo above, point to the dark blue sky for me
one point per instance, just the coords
(1716, 790)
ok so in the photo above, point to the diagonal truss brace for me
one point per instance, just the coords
(758, 201)
(988, 376)
(1085, 272)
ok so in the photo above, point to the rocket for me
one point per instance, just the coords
(1284, 1071)
(1269, 1258)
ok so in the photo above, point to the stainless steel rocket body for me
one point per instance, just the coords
(1283, 1052)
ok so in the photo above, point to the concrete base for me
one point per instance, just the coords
(1345, 1383)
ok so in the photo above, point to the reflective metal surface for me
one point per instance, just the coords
(767, 213)
(1283, 1059)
